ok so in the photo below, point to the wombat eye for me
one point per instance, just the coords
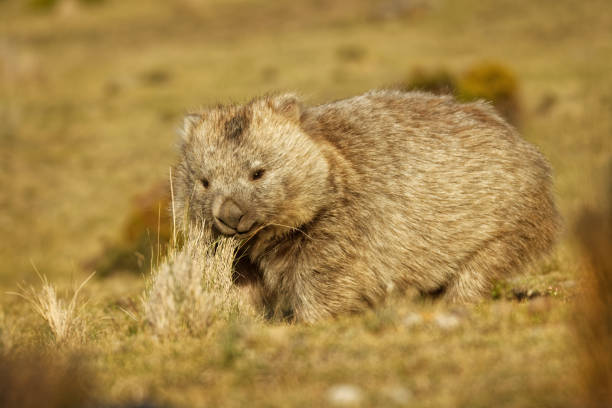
(204, 182)
(257, 174)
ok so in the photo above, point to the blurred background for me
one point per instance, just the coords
(92, 93)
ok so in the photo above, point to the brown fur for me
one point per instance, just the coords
(384, 190)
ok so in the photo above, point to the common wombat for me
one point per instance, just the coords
(340, 203)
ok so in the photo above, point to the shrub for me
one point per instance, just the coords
(150, 213)
(489, 81)
(144, 237)
(492, 82)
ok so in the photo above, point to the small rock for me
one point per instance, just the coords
(447, 321)
(412, 319)
(345, 395)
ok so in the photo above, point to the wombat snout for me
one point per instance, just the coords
(229, 218)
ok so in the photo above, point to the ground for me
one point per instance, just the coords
(90, 100)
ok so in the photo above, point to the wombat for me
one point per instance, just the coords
(338, 204)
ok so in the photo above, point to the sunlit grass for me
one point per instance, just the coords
(192, 288)
(63, 316)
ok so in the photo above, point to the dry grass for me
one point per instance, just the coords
(92, 101)
(63, 317)
(192, 288)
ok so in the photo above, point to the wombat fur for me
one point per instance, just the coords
(338, 204)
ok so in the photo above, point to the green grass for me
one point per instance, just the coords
(89, 107)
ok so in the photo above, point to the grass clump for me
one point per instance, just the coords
(63, 317)
(193, 288)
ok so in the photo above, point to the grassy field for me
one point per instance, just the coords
(90, 100)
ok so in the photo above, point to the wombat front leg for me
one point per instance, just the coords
(304, 293)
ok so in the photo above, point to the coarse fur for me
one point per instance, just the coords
(340, 203)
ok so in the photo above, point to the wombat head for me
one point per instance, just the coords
(247, 168)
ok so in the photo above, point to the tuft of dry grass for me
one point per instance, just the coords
(63, 317)
(192, 288)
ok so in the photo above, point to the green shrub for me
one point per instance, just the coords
(489, 81)
(492, 82)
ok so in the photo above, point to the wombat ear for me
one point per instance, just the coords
(287, 105)
(190, 121)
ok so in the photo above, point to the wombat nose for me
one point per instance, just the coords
(229, 214)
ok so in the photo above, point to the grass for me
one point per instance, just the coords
(90, 103)
(63, 317)
(192, 288)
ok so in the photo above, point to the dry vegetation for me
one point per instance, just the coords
(62, 316)
(192, 288)
(90, 97)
